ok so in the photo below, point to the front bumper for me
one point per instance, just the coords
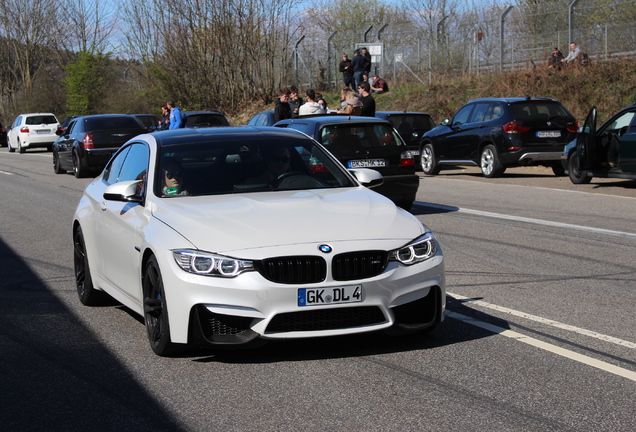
(248, 308)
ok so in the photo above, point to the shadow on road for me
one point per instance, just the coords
(56, 375)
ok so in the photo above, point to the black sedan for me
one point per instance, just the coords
(89, 142)
(365, 142)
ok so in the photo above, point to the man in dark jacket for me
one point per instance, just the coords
(347, 71)
(359, 64)
(282, 110)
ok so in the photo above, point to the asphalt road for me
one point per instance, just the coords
(539, 336)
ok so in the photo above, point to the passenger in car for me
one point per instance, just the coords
(173, 183)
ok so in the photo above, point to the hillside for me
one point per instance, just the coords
(609, 85)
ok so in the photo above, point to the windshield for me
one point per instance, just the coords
(529, 111)
(240, 166)
(110, 123)
(359, 136)
(40, 119)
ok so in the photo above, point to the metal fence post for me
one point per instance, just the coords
(296, 58)
(328, 60)
(570, 19)
(501, 54)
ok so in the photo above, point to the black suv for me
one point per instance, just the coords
(496, 133)
(410, 125)
(365, 142)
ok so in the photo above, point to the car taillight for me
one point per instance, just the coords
(573, 128)
(318, 168)
(25, 129)
(87, 143)
(513, 128)
(407, 159)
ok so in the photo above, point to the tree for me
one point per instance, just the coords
(28, 29)
(86, 83)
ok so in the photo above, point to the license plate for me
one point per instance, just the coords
(367, 163)
(415, 152)
(548, 134)
(328, 296)
(43, 131)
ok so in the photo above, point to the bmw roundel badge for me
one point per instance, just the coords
(325, 248)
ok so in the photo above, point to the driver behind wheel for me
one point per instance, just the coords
(276, 162)
(276, 159)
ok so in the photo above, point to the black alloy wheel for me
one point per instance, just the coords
(87, 294)
(56, 164)
(155, 310)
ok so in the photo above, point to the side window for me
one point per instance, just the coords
(481, 113)
(463, 115)
(622, 121)
(114, 167)
(70, 127)
(262, 120)
(17, 121)
(135, 166)
(496, 111)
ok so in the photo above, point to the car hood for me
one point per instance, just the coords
(226, 223)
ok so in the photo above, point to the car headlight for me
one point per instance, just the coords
(207, 264)
(420, 249)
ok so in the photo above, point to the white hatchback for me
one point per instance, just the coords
(31, 131)
(232, 236)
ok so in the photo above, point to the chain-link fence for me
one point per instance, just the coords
(492, 40)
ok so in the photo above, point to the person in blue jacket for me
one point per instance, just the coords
(177, 119)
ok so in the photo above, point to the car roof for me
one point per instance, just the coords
(401, 112)
(33, 114)
(514, 99)
(188, 135)
(333, 119)
(203, 112)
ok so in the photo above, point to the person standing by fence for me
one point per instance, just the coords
(347, 71)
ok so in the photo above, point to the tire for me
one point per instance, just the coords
(577, 176)
(11, 149)
(56, 164)
(79, 168)
(489, 162)
(87, 294)
(558, 170)
(20, 148)
(427, 160)
(155, 310)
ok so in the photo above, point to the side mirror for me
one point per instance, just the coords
(126, 191)
(367, 177)
(445, 122)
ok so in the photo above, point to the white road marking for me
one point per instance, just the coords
(6, 173)
(568, 191)
(607, 367)
(546, 321)
(530, 220)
